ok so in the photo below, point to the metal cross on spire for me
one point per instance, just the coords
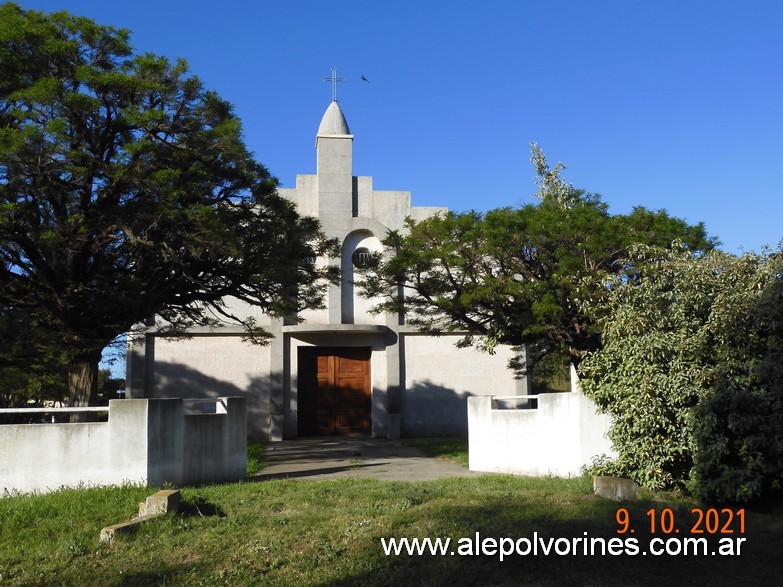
(335, 80)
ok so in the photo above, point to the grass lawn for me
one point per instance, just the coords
(255, 457)
(292, 532)
(450, 449)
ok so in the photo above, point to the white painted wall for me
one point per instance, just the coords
(208, 365)
(211, 366)
(145, 441)
(439, 377)
(558, 438)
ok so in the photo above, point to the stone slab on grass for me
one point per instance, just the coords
(616, 488)
(156, 505)
(161, 502)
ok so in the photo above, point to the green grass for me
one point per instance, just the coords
(292, 532)
(255, 457)
(449, 449)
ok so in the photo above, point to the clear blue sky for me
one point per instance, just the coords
(667, 104)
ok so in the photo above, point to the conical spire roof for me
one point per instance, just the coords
(333, 122)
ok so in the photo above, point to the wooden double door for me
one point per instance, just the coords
(334, 391)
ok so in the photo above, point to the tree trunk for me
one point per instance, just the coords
(83, 382)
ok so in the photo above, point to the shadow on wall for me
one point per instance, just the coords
(177, 380)
(430, 409)
(427, 408)
(180, 380)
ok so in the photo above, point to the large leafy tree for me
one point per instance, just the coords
(126, 190)
(518, 276)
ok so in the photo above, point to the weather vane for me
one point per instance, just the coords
(335, 80)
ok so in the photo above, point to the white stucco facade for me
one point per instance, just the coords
(425, 379)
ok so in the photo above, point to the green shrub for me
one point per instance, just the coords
(739, 454)
(691, 371)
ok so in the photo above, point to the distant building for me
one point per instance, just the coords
(343, 370)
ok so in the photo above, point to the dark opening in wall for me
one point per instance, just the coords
(361, 257)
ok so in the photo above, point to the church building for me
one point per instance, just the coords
(342, 370)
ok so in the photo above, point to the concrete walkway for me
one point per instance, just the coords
(339, 457)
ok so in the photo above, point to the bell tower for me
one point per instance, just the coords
(334, 148)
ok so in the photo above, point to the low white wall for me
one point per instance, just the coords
(216, 444)
(149, 441)
(557, 438)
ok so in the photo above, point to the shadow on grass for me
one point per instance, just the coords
(199, 507)
(452, 449)
(313, 472)
(161, 575)
(585, 550)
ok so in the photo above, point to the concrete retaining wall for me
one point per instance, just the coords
(149, 441)
(559, 436)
